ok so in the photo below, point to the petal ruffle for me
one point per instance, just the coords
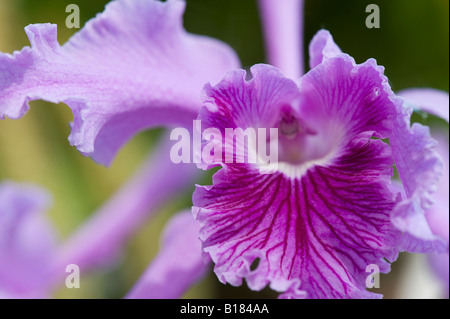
(437, 103)
(178, 265)
(237, 102)
(354, 97)
(420, 172)
(27, 241)
(420, 168)
(130, 68)
(321, 48)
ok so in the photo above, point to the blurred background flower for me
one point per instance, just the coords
(412, 43)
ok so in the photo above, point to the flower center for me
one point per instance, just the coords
(289, 126)
(303, 145)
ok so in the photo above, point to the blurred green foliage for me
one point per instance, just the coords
(412, 43)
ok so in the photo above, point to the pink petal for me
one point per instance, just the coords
(429, 100)
(130, 68)
(321, 48)
(27, 241)
(178, 265)
(283, 29)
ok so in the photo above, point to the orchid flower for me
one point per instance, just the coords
(327, 213)
(308, 230)
(312, 228)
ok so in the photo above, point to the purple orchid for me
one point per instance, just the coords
(327, 213)
(313, 226)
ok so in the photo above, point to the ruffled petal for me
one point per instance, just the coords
(27, 241)
(437, 103)
(321, 48)
(420, 167)
(282, 22)
(314, 232)
(237, 102)
(353, 98)
(426, 223)
(429, 100)
(178, 265)
(130, 68)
